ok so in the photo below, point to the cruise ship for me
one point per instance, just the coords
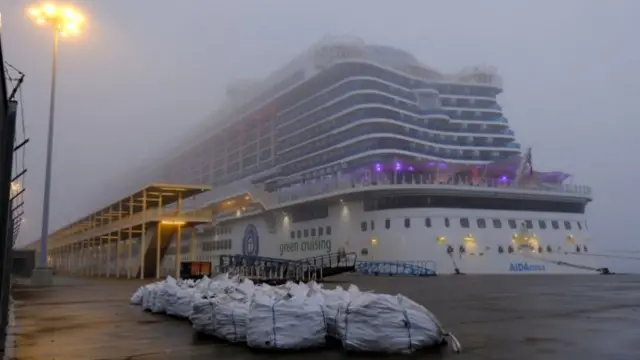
(360, 148)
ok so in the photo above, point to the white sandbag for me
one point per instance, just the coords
(388, 324)
(136, 298)
(163, 291)
(150, 293)
(180, 302)
(289, 323)
(201, 316)
(333, 300)
(230, 317)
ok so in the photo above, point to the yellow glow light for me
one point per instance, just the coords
(374, 242)
(66, 20)
(172, 222)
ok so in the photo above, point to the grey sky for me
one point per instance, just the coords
(146, 71)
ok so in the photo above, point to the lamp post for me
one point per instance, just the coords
(65, 21)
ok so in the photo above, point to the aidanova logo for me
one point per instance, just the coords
(525, 267)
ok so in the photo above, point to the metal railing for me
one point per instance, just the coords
(345, 184)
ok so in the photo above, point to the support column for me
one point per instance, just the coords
(107, 263)
(178, 254)
(144, 232)
(178, 250)
(101, 257)
(158, 238)
(129, 240)
(118, 241)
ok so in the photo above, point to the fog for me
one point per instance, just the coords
(145, 72)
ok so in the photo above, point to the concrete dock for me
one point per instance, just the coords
(494, 317)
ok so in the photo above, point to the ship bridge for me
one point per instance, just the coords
(147, 219)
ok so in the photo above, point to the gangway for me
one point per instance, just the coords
(89, 245)
(277, 270)
(422, 268)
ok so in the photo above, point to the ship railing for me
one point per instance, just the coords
(346, 183)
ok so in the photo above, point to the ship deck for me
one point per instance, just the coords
(494, 317)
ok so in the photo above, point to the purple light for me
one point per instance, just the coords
(398, 166)
(410, 168)
(442, 165)
(431, 163)
(378, 167)
(503, 178)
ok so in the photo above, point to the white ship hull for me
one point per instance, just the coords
(418, 246)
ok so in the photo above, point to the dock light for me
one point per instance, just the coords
(65, 21)
(172, 222)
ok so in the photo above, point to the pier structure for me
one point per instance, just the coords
(129, 237)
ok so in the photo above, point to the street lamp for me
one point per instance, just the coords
(65, 21)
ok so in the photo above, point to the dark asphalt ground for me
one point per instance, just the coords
(494, 317)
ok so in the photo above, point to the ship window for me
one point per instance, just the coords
(363, 226)
(539, 249)
(497, 223)
(446, 222)
(549, 249)
(464, 222)
(372, 225)
(306, 233)
(387, 223)
(555, 225)
(510, 249)
(328, 230)
(542, 224)
(579, 225)
(313, 232)
(407, 223)
(427, 222)
(567, 225)
(585, 248)
(500, 249)
(512, 224)
(528, 224)
(293, 234)
(299, 234)
(320, 231)
(461, 249)
(481, 223)
(577, 248)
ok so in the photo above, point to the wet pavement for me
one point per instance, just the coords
(494, 317)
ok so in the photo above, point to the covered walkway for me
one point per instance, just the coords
(146, 220)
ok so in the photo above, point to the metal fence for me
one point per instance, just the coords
(11, 188)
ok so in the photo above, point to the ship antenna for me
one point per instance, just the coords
(522, 168)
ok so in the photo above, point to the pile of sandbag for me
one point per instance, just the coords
(201, 316)
(136, 298)
(296, 316)
(387, 323)
(295, 321)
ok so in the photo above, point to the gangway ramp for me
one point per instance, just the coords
(277, 270)
(149, 216)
